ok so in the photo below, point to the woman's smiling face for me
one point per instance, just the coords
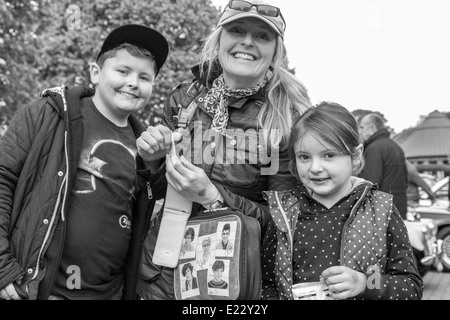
(246, 50)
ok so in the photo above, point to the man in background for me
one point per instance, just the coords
(414, 182)
(385, 160)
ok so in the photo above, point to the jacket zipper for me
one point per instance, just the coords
(47, 234)
(288, 226)
(352, 214)
(149, 190)
(58, 200)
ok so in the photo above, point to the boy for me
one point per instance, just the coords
(68, 182)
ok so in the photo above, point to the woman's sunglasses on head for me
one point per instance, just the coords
(262, 9)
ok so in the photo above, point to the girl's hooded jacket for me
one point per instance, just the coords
(363, 244)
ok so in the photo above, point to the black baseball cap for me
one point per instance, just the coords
(141, 36)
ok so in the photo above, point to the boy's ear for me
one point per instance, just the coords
(94, 70)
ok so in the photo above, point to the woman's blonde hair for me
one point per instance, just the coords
(286, 95)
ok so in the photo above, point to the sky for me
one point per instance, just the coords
(391, 56)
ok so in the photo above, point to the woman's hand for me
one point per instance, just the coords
(155, 143)
(344, 282)
(190, 180)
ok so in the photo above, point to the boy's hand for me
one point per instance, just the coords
(155, 143)
(344, 282)
(9, 293)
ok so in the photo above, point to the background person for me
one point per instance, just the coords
(241, 85)
(385, 160)
(414, 182)
(335, 227)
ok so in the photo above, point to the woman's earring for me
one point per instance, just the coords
(269, 73)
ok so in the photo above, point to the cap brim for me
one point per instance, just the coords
(140, 36)
(249, 14)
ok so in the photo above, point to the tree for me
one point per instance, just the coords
(21, 22)
(67, 35)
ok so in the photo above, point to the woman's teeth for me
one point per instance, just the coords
(244, 56)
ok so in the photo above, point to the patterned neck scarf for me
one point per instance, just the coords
(217, 98)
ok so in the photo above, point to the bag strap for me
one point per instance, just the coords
(188, 106)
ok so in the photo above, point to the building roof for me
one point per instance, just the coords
(431, 138)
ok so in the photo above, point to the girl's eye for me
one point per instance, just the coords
(302, 157)
(329, 155)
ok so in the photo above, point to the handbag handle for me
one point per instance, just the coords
(227, 199)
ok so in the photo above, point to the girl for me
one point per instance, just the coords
(334, 227)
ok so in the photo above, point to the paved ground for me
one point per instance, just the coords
(436, 286)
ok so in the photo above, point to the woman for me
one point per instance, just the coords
(247, 100)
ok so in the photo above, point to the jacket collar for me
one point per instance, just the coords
(216, 72)
(382, 133)
(61, 98)
(73, 95)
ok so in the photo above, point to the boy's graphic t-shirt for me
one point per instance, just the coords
(98, 228)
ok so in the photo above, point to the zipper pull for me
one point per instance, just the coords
(149, 191)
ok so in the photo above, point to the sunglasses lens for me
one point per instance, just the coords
(240, 5)
(266, 10)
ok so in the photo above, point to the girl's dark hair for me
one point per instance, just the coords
(332, 123)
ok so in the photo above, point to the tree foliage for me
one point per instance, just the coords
(20, 25)
(48, 43)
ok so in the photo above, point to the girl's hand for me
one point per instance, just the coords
(190, 180)
(344, 282)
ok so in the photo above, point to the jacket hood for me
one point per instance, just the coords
(63, 97)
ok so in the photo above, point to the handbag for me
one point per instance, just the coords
(221, 259)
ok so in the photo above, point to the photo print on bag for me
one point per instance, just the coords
(218, 278)
(226, 234)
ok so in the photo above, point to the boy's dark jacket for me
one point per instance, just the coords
(38, 161)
